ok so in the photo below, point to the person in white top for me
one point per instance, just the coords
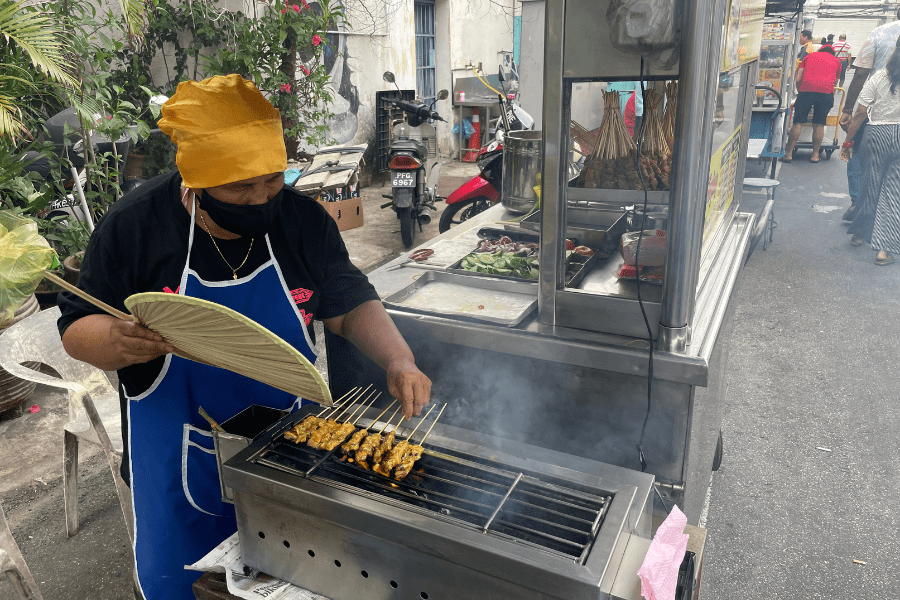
(842, 51)
(877, 219)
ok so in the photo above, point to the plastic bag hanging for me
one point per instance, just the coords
(24, 256)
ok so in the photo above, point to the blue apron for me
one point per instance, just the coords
(179, 513)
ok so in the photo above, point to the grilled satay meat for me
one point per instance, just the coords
(352, 445)
(413, 454)
(338, 436)
(395, 456)
(301, 431)
(383, 449)
(322, 434)
(366, 449)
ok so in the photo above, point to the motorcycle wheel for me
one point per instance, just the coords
(407, 226)
(455, 214)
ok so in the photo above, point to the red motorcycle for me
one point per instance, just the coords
(479, 193)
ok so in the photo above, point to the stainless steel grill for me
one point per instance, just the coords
(468, 519)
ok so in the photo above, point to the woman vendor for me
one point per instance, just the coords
(224, 228)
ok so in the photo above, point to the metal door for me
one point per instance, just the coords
(425, 71)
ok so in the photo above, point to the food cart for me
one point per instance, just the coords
(578, 379)
(770, 121)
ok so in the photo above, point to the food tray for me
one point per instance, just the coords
(460, 296)
(577, 266)
(596, 228)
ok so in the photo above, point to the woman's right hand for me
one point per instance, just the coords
(845, 154)
(133, 343)
(110, 344)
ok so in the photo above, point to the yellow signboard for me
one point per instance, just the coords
(722, 178)
(743, 32)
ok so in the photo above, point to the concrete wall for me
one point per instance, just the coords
(382, 38)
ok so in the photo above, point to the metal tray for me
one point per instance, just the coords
(469, 297)
(600, 229)
(577, 267)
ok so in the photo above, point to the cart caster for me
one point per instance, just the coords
(717, 458)
(828, 154)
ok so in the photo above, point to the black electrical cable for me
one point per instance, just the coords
(637, 262)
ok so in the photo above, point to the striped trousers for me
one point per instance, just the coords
(878, 218)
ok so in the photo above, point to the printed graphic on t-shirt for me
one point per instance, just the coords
(307, 317)
(300, 295)
(168, 290)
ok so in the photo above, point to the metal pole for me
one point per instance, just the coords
(691, 167)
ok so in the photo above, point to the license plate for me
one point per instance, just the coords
(403, 178)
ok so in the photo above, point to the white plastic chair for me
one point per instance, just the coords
(12, 564)
(94, 413)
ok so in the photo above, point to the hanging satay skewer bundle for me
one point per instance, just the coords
(654, 150)
(612, 165)
(669, 115)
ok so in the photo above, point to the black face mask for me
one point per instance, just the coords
(245, 220)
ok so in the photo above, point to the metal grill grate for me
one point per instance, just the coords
(472, 491)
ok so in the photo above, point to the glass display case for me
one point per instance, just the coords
(776, 71)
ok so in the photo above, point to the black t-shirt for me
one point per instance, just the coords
(141, 245)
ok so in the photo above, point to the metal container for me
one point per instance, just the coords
(521, 166)
(239, 432)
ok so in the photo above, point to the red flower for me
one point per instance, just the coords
(283, 10)
(304, 69)
(303, 2)
(316, 40)
(286, 88)
(296, 8)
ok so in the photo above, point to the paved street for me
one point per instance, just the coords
(809, 480)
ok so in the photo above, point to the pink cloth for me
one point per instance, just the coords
(629, 115)
(659, 573)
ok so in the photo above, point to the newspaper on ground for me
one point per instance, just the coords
(226, 558)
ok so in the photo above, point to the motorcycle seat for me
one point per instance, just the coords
(416, 146)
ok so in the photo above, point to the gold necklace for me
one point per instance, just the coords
(233, 269)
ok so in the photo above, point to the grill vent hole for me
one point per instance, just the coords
(310, 552)
(394, 584)
(364, 574)
(423, 596)
(262, 536)
(337, 563)
(287, 544)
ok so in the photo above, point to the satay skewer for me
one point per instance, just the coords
(317, 423)
(318, 437)
(356, 439)
(349, 426)
(386, 444)
(396, 454)
(372, 442)
(414, 453)
(311, 421)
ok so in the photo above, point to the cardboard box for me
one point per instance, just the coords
(348, 214)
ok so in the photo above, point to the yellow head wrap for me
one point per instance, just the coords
(225, 131)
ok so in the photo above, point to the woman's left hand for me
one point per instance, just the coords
(409, 385)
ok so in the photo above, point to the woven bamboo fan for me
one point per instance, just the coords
(210, 333)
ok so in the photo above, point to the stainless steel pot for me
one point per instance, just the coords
(521, 166)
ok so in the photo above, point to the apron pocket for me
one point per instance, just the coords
(199, 471)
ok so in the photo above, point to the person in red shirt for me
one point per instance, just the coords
(816, 77)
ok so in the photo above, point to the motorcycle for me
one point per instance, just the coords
(483, 191)
(414, 163)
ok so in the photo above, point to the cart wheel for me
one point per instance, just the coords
(717, 458)
(828, 154)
